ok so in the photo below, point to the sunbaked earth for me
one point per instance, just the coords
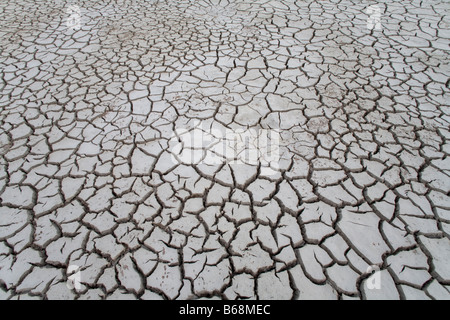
(95, 203)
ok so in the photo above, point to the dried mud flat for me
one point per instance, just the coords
(93, 205)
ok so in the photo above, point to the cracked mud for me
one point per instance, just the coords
(87, 178)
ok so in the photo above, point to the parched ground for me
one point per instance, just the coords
(90, 120)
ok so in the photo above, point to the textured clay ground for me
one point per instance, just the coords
(88, 117)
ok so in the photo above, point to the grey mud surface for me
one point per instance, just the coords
(87, 179)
